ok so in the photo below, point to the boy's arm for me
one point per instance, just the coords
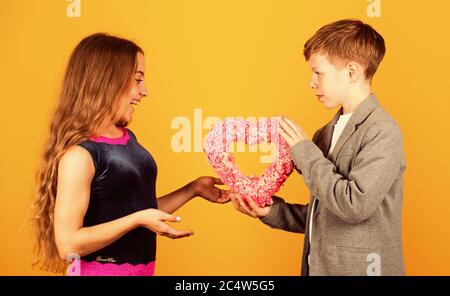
(289, 217)
(286, 216)
(315, 140)
(356, 198)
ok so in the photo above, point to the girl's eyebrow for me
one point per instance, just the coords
(140, 72)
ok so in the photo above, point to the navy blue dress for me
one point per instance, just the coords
(124, 182)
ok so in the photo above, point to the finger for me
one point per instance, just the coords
(283, 133)
(170, 218)
(179, 235)
(175, 233)
(227, 196)
(252, 204)
(218, 181)
(287, 128)
(286, 137)
(293, 124)
(224, 197)
(244, 207)
(235, 202)
(237, 205)
(238, 202)
(212, 195)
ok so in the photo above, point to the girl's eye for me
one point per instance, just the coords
(139, 80)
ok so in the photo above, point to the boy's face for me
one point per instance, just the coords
(330, 81)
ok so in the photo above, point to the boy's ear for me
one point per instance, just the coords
(355, 71)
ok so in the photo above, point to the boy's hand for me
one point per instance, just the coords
(248, 206)
(291, 131)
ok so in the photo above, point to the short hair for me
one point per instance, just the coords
(348, 40)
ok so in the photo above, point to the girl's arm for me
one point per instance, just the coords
(75, 173)
(203, 187)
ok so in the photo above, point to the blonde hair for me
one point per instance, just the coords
(99, 73)
(348, 40)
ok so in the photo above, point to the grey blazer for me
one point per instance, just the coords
(358, 191)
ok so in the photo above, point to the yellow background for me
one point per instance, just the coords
(229, 58)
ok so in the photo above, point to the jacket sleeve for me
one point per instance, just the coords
(355, 198)
(315, 139)
(289, 217)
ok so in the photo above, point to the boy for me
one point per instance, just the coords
(353, 166)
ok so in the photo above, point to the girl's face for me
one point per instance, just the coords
(136, 93)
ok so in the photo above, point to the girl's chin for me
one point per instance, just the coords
(126, 117)
(123, 122)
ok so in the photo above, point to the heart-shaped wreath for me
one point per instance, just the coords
(229, 131)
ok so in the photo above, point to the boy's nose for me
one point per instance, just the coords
(313, 82)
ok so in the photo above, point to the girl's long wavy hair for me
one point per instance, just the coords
(98, 75)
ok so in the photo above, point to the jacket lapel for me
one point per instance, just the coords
(359, 115)
(324, 141)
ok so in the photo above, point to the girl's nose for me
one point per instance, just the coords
(144, 91)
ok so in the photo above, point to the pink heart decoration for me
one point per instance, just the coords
(229, 131)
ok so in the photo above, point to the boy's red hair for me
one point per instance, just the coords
(348, 40)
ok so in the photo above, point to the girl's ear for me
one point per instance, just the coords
(355, 71)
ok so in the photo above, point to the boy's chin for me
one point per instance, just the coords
(330, 105)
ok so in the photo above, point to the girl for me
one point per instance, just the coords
(96, 185)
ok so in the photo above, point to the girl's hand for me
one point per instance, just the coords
(248, 206)
(155, 219)
(205, 187)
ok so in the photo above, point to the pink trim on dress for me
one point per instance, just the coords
(113, 141)
(94, 268)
